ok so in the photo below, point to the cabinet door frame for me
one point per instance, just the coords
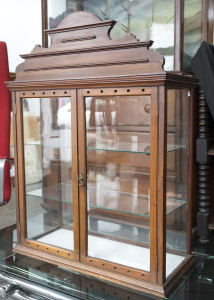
(106, 265)
(74, 255)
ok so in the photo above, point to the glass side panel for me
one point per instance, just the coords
(48, 170)
(118, 181)
(192, 31)
(146, 19)
(178, 172)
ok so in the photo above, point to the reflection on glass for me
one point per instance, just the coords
(147, 20)
(118, 179)
(77, 285)
(192, 31)
(178, 172)
(48, 170)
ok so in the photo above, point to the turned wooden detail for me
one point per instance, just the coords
(203, 169)
(203, 117)
(203, 184)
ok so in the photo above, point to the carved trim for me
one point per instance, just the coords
(158, 79)
(112, 277)
(101, 24)
(79, 39)
(91, 49)
(101, 64)
(96, 82)
(203, 117)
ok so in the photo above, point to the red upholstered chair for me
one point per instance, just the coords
(5, 105)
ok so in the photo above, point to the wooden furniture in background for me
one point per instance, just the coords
(203, 169)
(205, 155)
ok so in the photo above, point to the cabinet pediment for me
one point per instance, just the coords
(81, 47)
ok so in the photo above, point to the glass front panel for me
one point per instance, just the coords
(192, 31)
(147, 20)
(118, 179)
(48, 170)
(177, 176)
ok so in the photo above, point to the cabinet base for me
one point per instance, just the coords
(112, 277)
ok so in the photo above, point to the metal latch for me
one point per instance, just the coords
(81, 179)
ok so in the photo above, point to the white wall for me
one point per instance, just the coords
(56, 7)
(20, 27)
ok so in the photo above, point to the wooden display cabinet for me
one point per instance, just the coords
(104, 153)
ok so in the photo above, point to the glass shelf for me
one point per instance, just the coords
(127, 147)
(52, 143)
(106, 200)
(119, 228)
(122, 202)
(108, 146)
(59, 192)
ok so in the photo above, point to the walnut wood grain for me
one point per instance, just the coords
(75, 187)
(16, 166)
(126, 49)
(20, 170)
(161, 191)
(153, 185)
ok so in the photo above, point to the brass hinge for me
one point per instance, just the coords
(15, 108)
(188, 151)
(156, 262)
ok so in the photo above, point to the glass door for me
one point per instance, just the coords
(50, 172)
(116, 198)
